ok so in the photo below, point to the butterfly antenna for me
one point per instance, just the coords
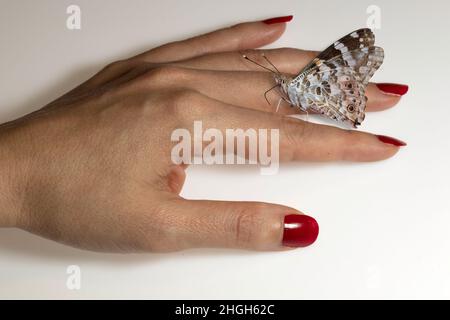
(269, 62)
(258, 64)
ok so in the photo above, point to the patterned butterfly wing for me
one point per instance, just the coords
(334, 82)
(363, 61)
(335, 92)
(362, 38)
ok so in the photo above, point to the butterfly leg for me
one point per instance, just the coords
(307, 115)
(278, 105)
(287, 101)
(267, 91)
(282, 98)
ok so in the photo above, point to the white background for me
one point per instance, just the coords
(384, 226)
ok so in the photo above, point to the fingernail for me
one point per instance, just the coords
(278, 20)
(390, 140)
(299, 230)
(393, 88)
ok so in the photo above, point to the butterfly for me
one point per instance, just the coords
(334, 83)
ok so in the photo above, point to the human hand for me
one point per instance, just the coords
(93, 169)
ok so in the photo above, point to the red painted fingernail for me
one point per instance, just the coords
(393, 88)
(390, 140)
(278, 20)
(299, 230)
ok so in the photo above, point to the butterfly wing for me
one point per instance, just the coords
(365, 62)
(362, 38)
(334, 82)
(335, 92)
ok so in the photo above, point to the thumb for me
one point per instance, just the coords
(243, 225)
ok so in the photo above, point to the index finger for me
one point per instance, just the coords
(241, 36)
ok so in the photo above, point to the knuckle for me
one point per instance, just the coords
(167, 73)
(116, 65)
(295, 133)
(288, 52)
(185, 96)
(159, 233)
(348, 141)
(248, 225)
(183, 103)
(112, 65)
(294, 130)
(254, 53)
(233, 34)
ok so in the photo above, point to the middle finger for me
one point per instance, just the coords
(287, 60)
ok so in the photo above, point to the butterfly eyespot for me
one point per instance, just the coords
(350, 108)
(349, 85)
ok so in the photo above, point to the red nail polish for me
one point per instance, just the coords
(278, 20)
(390, 140)
(299, 230)
(393, 88)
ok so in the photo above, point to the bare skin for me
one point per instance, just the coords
(93, 169)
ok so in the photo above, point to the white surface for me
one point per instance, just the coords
(384, 226)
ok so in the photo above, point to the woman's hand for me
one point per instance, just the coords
(93, 169)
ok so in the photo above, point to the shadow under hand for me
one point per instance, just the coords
(21, 244)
